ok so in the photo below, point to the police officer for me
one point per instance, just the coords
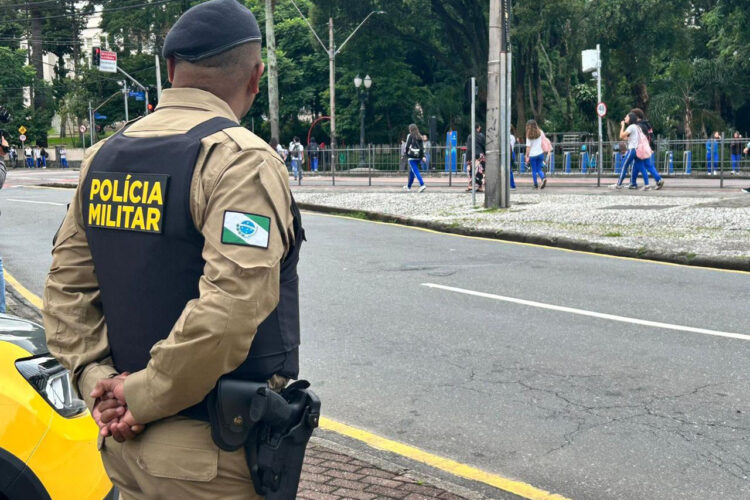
(176, 265)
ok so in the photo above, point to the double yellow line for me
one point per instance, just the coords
(458, 469)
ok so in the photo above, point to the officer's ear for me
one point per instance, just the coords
(170, 69)
(256, 76)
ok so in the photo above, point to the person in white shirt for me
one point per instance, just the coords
(535, 153)
(27, 153)
(296, 151)
(629, 134)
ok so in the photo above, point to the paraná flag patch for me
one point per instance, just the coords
(243, 229)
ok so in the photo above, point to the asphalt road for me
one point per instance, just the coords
(587, 406)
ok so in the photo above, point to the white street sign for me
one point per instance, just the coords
(22, 138)
(82, 129)
(108, 61)
(601, 109)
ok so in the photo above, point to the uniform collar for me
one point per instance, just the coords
(195, 99)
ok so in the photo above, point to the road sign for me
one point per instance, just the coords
(22, 138)
(22, 129)
(82, 129)
(97, 116)
(108, 61)
(601, 109)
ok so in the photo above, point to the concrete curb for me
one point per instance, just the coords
(643, 253)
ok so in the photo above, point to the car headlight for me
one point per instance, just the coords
(52, 381)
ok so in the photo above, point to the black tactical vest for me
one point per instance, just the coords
(147, 253)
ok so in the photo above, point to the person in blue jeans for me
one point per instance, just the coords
(512, 142)
(648, 165)
(629, 132)
(414, 154)
(736, 150)
(535, 153)
(712, 153)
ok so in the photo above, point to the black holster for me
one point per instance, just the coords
(273, 428)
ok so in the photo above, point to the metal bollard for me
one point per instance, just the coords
(522, 165)
(566, 162)
(551, 167)
(687, 162)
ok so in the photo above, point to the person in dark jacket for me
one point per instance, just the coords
(414, 152)
(735, 149)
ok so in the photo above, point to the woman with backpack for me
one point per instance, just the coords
(629, 132)
(736, 151)
(414, 149)
(648, 165)
(535, 152)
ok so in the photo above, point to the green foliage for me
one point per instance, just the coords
(687, 64)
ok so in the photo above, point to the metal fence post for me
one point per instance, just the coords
(721, 163)
(370, 156)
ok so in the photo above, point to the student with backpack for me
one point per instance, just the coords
(296, 152)
(313, 152)
(414, 149)
(537, 145)
(649, 164)
(712, 153)
(736, 151)
(629, 131)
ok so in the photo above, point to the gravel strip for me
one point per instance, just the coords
(711, 226)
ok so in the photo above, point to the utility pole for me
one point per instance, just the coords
(332, 86)
(273, 72)
(598, 100)
(158, 78)
(125, 96)
(497, 194)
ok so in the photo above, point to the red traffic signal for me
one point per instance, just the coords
(150, 107)
(96, 56)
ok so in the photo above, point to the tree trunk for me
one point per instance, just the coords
(36, 57)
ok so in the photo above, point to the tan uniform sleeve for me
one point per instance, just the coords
(73, 320)
(238, 290)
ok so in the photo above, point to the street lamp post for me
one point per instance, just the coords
(363, 95)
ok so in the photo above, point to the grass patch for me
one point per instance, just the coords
(613, 234)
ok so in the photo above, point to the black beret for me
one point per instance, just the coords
(209, 29)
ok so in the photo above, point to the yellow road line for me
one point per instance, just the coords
(28, 295)
(445, 464)
(535, 245)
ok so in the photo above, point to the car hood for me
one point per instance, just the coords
(23, 333)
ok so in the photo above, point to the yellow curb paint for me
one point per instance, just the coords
(535, 245)
(445, 464)
(25, 293)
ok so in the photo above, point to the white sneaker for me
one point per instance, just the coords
(407, 188)
(646, 188)
(422, 188)
(615, 186)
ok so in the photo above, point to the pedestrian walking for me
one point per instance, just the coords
(735, 149)
(647, 166)
(403, 161)
(512, 142)
(173, 289)
(43, 155)
(535, 153)
(37, 156)
(28, 155)
(13, 156)
(313, 151)
(427, 149)
(63, 157)
(712, 154)
(629, 130)
(414, 148)
(297, 154)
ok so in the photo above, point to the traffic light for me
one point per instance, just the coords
(150, 107)
(96, 56)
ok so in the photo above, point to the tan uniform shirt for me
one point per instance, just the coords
(239, 287)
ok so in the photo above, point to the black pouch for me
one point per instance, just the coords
(229, 412)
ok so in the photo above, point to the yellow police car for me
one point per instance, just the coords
(47, 437)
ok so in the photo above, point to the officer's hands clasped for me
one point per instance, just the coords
(111, 411)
